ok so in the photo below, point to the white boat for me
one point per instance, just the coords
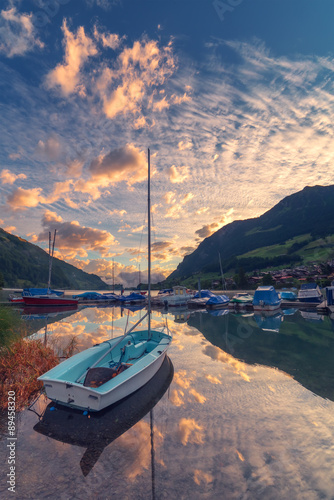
(106, 373)
(179, 297)
(310, 292)
(241, 299)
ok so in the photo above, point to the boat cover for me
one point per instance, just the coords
(133, 297)
(330, 295)
(265, 294)
(204, 294)
(309, 286)
(88, 296)
(218, 299)
(28, 292)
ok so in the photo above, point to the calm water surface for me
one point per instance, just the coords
(242, 409)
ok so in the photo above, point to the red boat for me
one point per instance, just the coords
(49, 300)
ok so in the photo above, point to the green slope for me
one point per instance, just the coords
(297, 230)
(23, 264)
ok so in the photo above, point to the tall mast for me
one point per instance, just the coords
(51, 257)
(222, 274)
(113, 276)
(149, 239)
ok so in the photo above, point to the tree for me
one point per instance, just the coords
(241, 278)
(2, 280)
(267, 280)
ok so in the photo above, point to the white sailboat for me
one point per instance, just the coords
(114, 369)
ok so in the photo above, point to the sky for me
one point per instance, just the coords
(234, 98)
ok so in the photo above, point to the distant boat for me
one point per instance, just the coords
(288, 295)
(108, 372)
(179, 297)
(310, 292)
(132, 298)
(266, 299)
(46, 296)
(95, 297)
(330, 298)
(49, 300)
(241, 299)
(217, 301)
(200, 299)
(16, 297)
(165, 291)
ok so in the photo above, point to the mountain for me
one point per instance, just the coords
(295, 222)
(23, 264)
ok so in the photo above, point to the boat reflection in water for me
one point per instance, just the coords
(269, 321)
(98, 429)
(303, 349)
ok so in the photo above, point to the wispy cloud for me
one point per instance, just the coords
(17, 33)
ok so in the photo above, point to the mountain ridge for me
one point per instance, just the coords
(23, 264)
(307, 211)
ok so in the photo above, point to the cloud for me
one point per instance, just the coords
(229, 362)
(50, 148)
(78, 48)
(178, 174)
(7, 177)
(20, 198)
(126, 164)
(207, 230)
(129, 85)
(182, 145)
(169, 197)
(117, 212)
(72, 236)
(110, 40)
(17, 33)
(190, 432)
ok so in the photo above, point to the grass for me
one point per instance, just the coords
(20, 365)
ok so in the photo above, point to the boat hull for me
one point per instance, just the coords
(267, 307)
(65, 389)
(50, 301)
(310, 299)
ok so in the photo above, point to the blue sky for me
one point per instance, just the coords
(234, 98)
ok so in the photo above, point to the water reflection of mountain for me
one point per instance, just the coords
(100, 429)
(302, 348)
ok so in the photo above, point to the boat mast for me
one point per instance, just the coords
(222, 274)
(51, 257)
(149, 240)
(113, 276)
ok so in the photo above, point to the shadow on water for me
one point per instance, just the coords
(99, 429)
(300, 346)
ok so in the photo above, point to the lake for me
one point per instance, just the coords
(243, 408)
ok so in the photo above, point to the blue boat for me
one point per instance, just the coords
(310, 292)
(217, 301)
(132, 298)
(288, 295)
(330, 298)
(266, 299)
(204, 294)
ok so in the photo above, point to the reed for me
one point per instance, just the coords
(23, 360)
(20, 365)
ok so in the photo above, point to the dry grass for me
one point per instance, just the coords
(20, 365)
